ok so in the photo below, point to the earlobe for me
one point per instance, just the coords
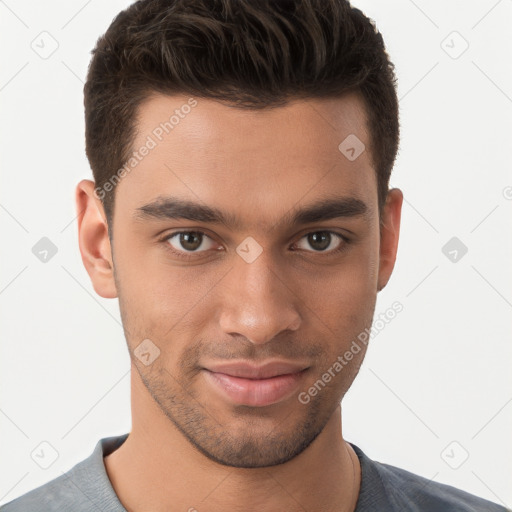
(389, 235)
(94, 241)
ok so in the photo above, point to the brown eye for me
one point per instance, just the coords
(190, 241)
(321, 241)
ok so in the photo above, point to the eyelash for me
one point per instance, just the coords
(191, 255)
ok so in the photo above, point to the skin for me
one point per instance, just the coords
(190, 447)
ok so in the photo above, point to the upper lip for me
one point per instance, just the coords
(252, 371)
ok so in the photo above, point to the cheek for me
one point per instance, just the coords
(347, 290)
(152, 283)
(359, 282)
(342, 302)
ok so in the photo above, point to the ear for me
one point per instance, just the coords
(389, 234)
(94, 241)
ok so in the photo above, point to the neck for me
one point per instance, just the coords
(157, 468)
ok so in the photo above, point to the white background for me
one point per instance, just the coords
(438, 373)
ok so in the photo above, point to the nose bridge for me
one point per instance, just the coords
(257, 304)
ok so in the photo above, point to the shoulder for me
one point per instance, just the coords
(56, 495)
(398, 489)
(84, 487)
(429, 495)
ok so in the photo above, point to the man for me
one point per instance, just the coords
(240, 211)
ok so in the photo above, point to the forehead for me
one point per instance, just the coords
(263, 161)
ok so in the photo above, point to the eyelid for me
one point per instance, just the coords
(343, 240)
(188, 255)
(204, 235)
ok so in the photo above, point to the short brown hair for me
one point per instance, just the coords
(248, 53)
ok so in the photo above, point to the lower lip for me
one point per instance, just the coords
(255, 392)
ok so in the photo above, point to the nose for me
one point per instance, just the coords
(258, 303)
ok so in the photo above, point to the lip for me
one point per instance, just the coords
(250, 371)
(256, 386)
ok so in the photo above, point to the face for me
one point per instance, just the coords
(247, 254)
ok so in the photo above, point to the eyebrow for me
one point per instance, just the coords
(166, 208)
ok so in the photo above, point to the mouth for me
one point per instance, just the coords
(255, 386)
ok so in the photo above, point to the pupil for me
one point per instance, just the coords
(190, 241)
(319, 240)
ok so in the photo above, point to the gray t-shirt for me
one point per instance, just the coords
(384, 488)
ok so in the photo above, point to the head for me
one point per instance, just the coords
(240, 208)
